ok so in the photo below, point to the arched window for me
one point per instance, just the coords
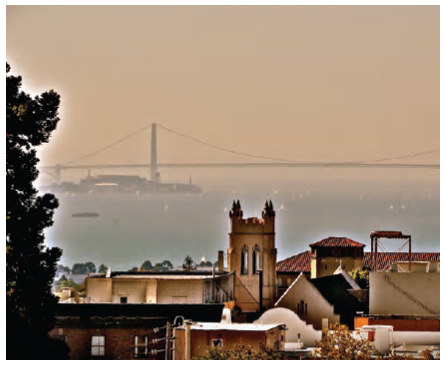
(244, 260)
(255, 259)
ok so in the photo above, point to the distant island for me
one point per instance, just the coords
(121, 184)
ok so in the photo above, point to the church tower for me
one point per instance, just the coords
(252, 256)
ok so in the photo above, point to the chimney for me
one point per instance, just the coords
(220, 260)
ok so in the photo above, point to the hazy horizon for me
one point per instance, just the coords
(300, 83)
(305, 83)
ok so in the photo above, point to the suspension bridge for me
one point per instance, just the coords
(56, 170)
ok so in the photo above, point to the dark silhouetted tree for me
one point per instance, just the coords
(188, 264)
(83, 268)
(103, 268)
(206, 264)
(163, 266)
(30, 265)
(147, 266)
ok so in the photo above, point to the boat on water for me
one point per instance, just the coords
(85, 214)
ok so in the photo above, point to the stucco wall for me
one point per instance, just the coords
(317, 308)
(99, 289)
(170, 292)
(202, 340)
(385, 299)
(294, 325)
(349, 264)
(145, 290)
(134, 290)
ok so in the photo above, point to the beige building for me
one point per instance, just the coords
(321, 298)
(398, 291)
(252, 248)
(160, 288)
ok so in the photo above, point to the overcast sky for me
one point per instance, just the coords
(311, 83)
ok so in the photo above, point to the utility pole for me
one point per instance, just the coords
(168, 341)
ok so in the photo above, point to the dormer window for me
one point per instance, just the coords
(244, 260)
(255, 259)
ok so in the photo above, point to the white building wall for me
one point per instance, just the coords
(317, 307)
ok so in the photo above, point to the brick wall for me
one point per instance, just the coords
(119, 340)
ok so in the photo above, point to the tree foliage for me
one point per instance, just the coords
(30, 265)
(338, 343)
(242, 352)
(147, 266)
(205, 264)
(188, 264)
(361, 278)
(103, 268)
(163, 266)
(83, 268)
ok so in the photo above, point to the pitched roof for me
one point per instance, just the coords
(333, 241)
(334, 289)
(302, 262)
(385, 259)
(297, 263)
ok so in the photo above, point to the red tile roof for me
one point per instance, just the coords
(297, 263)
(385, 259)
(337, 242)
(302, 262)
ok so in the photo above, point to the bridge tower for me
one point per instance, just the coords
(154, 175)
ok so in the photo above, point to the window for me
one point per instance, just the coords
(288, 281)
(123, 300)
(302, 308)
(255, 259)
(217, 343)
(244, 261)
(325, 266)
(61, 337)
(141, 346)
(280, 281)
(97, 345)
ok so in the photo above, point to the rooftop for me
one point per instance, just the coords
(302, 262)
(235, 326)
(334, 241)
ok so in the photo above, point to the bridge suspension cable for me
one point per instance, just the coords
(287, 160)
(239, 152)
(108, 146)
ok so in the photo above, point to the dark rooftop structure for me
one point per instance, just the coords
(335, 290)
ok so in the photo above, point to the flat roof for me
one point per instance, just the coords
(163, 277)
(235, 326)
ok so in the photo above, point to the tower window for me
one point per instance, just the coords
(255, 259)
(244, 260)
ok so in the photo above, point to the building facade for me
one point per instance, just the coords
(193, 340)
(252, 256)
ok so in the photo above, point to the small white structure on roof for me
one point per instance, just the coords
(297, 329)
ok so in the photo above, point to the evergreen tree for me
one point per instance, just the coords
(147, 266)
(103, 268)
(30, 266)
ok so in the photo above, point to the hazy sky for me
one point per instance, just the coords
(317, 83)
